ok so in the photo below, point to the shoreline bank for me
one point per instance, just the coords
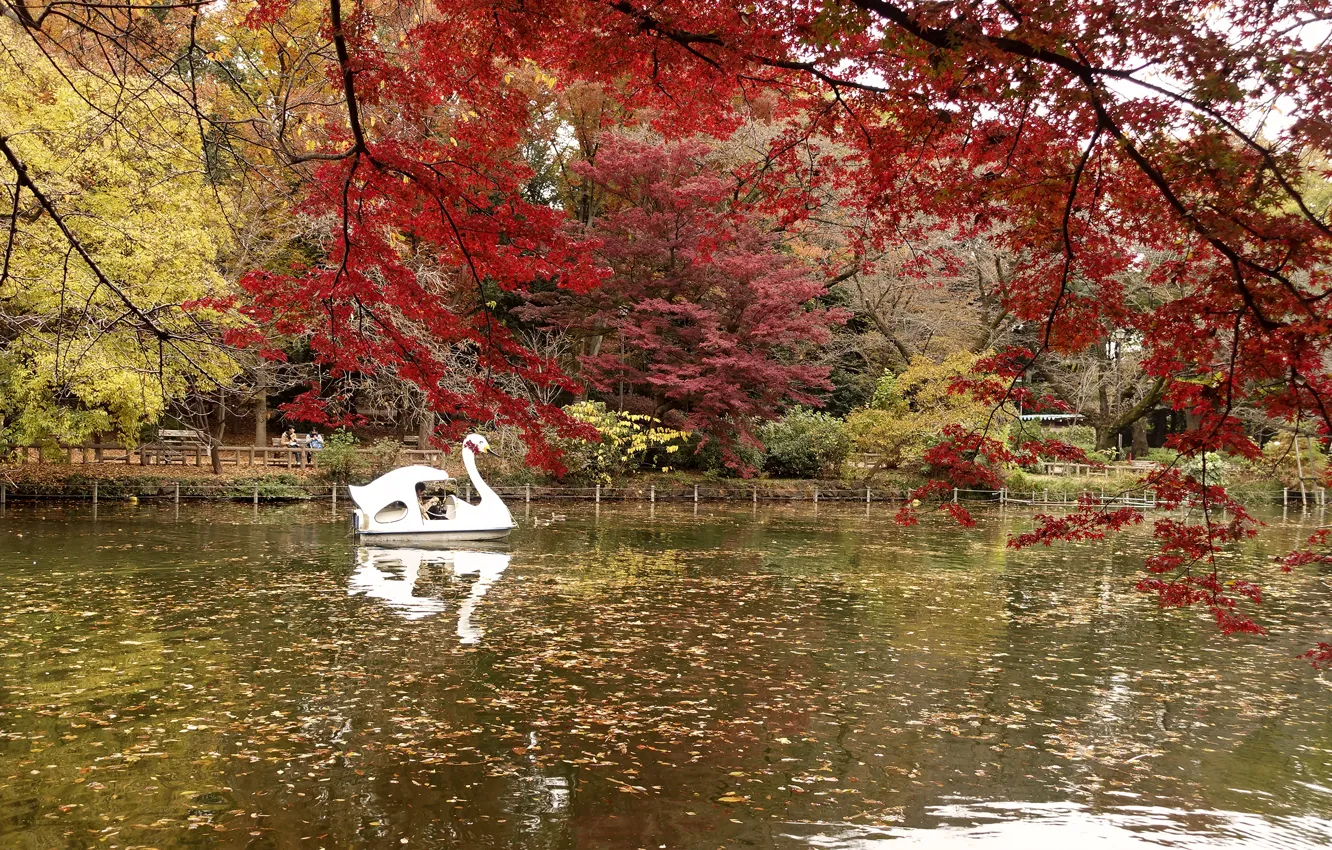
(118, 483)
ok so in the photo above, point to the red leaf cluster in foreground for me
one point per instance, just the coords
(1082, 136)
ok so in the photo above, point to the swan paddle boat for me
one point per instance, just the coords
(389, 511)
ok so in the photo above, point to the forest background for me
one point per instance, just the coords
(728, 236)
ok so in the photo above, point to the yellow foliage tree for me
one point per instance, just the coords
(910, 411)
(110, 226)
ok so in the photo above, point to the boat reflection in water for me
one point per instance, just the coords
(393, 575)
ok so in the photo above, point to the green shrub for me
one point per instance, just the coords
(1218, 468)
(805, 444)
(337, 459)
(1163, 456)
(1017, 480)
(384, 456)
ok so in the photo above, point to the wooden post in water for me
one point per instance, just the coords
(696, 494)
(527, 492)
(94, 492)
(597, 496)
(2, 495)
(652, 494)
(176, 498)
(867, 495)
(335, 499)
(955, 495)
(256, 494)
(816, 495)
(755, 491)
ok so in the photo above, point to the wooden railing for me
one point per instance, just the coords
(157, 454)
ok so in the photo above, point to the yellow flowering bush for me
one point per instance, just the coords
(628, 442)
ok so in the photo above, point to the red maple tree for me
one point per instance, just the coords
(703, 320)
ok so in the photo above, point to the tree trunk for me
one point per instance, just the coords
(261, 416)
(1105, 433)
(220, 420)
(1105, 436)
(1140, 447)
(425, 426)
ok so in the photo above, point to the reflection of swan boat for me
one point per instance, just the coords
(391, 576)
(388, 510)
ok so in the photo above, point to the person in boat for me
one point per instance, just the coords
(430, 505)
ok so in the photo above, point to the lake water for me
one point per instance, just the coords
(219, 676)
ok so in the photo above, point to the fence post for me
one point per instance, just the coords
(816, 495)
(528, 494)
(652, 493)
(955, 495)
(597, 497)
(755, 492)
(94, 492)
(867, 495)
(1046, 498)
(1003, 495)
(1285, 495)
(176, 498)
(696, 494)
(335, 498)
(2, 495)
(256, 495)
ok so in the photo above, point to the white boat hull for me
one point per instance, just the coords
(426, 538)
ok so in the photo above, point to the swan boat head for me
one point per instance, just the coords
(477, 444)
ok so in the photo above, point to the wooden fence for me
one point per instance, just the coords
(154, 454)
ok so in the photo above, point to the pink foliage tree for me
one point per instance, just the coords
(705, 322)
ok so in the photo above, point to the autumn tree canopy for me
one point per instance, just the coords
(1074, 137)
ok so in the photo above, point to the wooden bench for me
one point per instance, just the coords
(172, 445)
